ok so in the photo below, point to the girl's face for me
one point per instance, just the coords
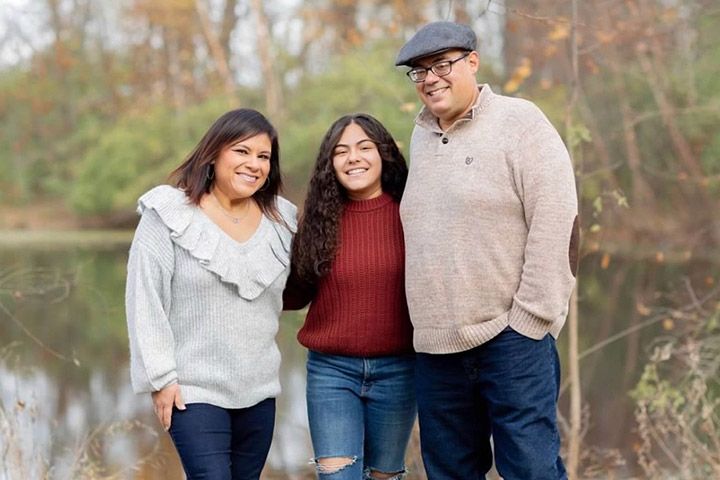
(242, 167)
(357, 164)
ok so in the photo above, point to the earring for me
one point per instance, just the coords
(267, 184)
(210, 174)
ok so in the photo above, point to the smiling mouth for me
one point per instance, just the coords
(356, 171)
(435, 92)
(246, 177)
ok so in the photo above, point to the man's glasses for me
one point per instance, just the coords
(440, 69)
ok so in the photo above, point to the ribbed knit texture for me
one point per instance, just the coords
(359, 308)
(202, 309)
(488, 214)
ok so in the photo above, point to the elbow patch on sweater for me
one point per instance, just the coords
(574, 250)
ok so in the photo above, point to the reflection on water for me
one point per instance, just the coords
(65, 394)
(66, 404)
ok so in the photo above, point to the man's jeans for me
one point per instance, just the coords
(363, 409)
(507, 388)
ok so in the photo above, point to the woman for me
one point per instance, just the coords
(206, 273)
(348, 260)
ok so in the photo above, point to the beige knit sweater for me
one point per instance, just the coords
(490, 221)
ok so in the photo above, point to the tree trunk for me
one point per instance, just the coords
(601, 149)
(217, 50)
(461, 13)
(642, 194)
(228, 25)
(172, 77)
(678, 141)
(573, 460)
(60, 58)
(273, 91)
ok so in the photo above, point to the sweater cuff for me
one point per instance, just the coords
(527, 324)
(163, 381)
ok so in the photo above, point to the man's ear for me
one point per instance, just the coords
(474, 61)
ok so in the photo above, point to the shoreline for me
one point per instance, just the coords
(114, 239)
(35, 239)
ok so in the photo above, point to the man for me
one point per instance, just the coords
(490, 221)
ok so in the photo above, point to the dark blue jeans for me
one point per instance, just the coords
(217, 443)
(506, 388)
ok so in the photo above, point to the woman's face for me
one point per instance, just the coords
(357, 164)
(242, 167)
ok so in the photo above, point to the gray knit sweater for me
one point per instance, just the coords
(489, 215)
(202, 309)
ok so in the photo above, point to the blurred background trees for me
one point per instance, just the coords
(101, 99)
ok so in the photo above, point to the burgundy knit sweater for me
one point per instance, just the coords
(359, 308)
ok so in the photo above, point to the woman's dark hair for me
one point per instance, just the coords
(196, 174)
(317, 239)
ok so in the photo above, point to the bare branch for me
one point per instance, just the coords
(35, 282)
(32, 337)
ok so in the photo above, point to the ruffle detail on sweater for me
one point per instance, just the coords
(251, 266)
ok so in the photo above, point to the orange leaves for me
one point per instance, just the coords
(518, 76)
(642, 309)
(175, 14)
(550, 50)
(605, 262)
(605, 37)
(592, 66)
(669, 15)
(354, 37)
(560, 31)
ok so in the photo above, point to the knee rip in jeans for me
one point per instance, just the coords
(328, 465)
(372, 474)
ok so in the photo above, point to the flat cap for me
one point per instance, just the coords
(437, 37)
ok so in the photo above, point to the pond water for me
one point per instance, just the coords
(67, 409)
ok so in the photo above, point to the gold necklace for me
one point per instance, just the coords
(231, 217)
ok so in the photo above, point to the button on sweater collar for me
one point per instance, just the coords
(427, 120)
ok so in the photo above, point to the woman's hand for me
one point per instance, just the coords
(164, 400)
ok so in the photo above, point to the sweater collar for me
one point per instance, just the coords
(368, 205)
(428, 120)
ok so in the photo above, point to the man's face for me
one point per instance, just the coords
(451, 96)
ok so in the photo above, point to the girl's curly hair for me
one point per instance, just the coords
(317, 240)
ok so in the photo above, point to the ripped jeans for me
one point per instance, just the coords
(362, 409)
